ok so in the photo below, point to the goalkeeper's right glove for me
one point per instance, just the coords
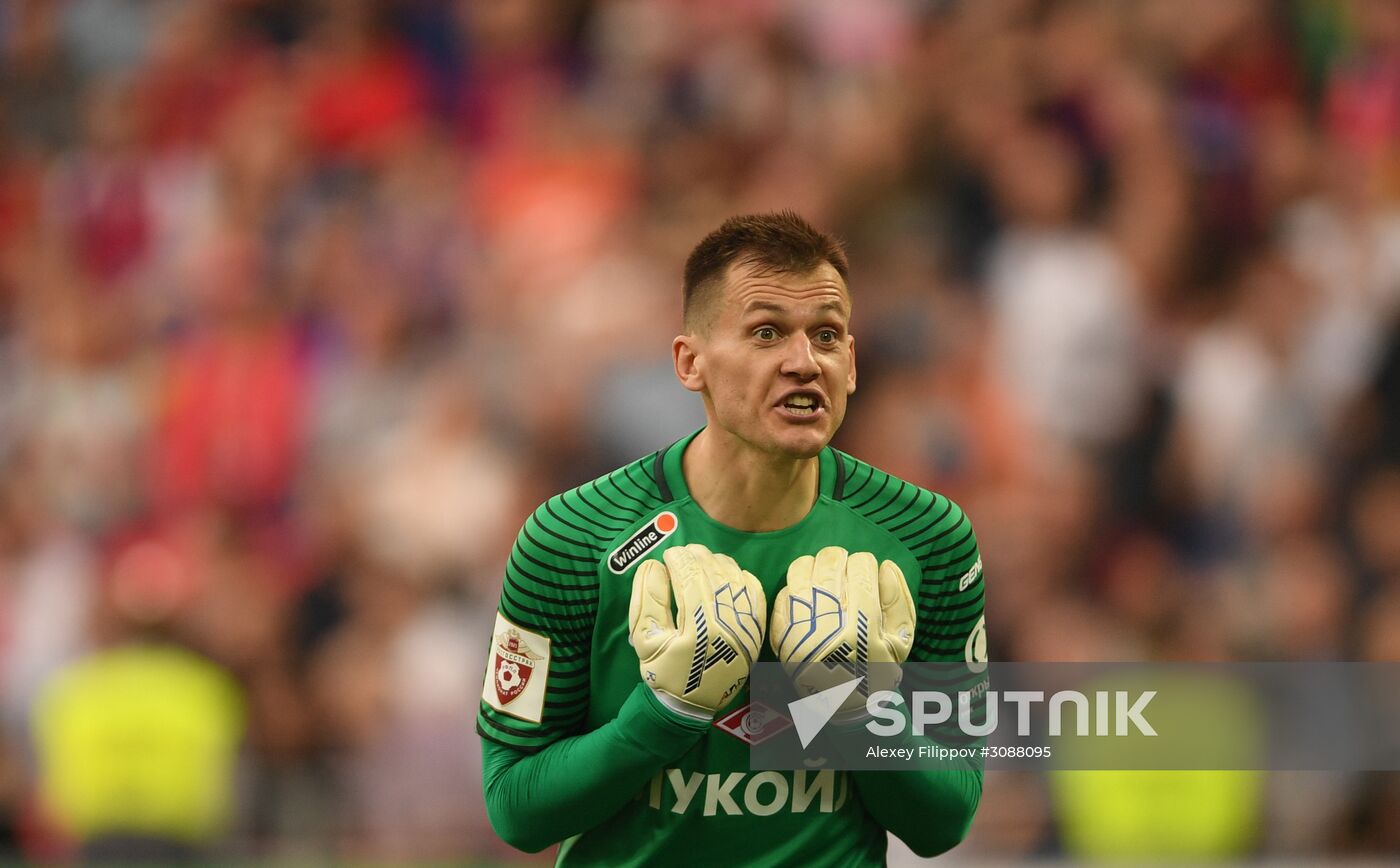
(697, 661)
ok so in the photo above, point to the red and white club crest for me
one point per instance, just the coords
(754, 723)
(513, 664)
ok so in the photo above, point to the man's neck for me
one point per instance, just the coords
(745, 489)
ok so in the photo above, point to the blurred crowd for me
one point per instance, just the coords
(304, 304)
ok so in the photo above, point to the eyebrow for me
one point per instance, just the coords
(773, 307)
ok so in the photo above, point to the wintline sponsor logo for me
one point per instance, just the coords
(644, 540)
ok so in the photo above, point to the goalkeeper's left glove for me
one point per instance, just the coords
(698, 660)
(838, 614)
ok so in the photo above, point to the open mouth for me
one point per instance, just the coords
(802, 404)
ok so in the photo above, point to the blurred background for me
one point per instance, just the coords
(304, 305)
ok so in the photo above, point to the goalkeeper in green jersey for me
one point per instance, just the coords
(615, 717)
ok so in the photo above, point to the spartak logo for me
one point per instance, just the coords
(513, 665)
(641, 542)
(754, 723)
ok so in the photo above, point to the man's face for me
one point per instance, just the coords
(777, 360)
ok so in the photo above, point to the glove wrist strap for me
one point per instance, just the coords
(683, 708)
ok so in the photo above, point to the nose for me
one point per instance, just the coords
(799, 360)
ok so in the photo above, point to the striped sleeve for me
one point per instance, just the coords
(930, 809)
(548, 605)
(950, 602)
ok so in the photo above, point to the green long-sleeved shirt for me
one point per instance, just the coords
(577, 750)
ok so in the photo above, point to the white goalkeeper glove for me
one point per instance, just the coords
(697, 660)
(838, 615)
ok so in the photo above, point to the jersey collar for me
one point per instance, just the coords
(670, 478)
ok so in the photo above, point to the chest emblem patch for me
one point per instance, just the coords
(647, 537)
(753, 723)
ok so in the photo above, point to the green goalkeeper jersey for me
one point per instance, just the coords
(577, 750)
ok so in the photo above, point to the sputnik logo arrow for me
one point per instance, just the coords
(811, 713)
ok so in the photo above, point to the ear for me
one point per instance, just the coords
(685, 352)
(851, 377)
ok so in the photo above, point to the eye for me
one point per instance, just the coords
(827, 336)
(766, 333)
